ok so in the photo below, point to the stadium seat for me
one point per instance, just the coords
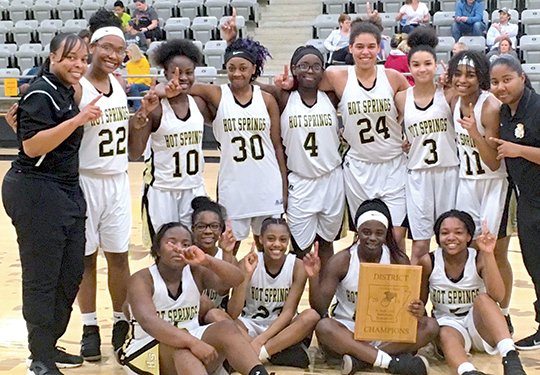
(6, 31)
(18, 11)
(74, 26)
(324, 24)
(387, 5)
(529, 45)
(530, 19)
(448, 6)
(475, 43)
(45, 52)
(532, 4)
(177, 28)
(214, 52)
(443, 23)
(25, 31)
(4, 6)
(514, 16)
(165, 9)
(319, 44)
(533, 72)
(152, 47)
(44, 9)
(205, 74)
(249, 9)
(389, 23)
(28, 56)
(68, 9)
(204, 28)
(89, 7)
(190, 8)
(216, 8)
(240, 24)
(48, 29)
(199, 45)
(444, 48)
(335, 6)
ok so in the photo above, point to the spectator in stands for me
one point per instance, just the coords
(505, 48)
(137, 65)
(120, 11)
(458, 47)
(501, 30)
(469, 19)
(338, 40)
(397, 59)
(134, 36)
(147, 21)
(414, 13)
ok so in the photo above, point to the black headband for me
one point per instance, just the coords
(241, 53)
(303, 51)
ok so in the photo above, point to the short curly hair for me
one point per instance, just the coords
(167, 51)
(103, 18)
(481, 67)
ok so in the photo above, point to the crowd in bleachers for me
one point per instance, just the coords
(519, 20)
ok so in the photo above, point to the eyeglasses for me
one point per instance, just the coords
(303, 67)
(109, 50)
(200, 227)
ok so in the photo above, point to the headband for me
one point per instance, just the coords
(105, 31)
(466, 60)
(306, 50)
(241, 53)
(372, 215)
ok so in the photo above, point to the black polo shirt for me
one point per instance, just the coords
(48, 103)
(523, 128)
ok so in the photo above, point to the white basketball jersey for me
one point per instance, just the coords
(310, 136)
(430, 132)
(182, 312)
(249, 180)
(266, 295)
(370, 119)
(454, 299)
(176, 160)
(104, 144)
(214, 296)
(347, 289)
(471, 165)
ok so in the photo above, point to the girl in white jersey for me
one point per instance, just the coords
(464, 286)
(375, 244)
(374, 166)
(432, 165)
(268, 299)
(174, 131)
(483, 183)
(172, 341)
(252, 180)
(104, 181)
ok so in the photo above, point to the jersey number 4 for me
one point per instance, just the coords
(310, 145)
(256, 147)
(112, 143)
(365, 129)
(192, 163)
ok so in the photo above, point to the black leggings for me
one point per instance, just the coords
(49, 218)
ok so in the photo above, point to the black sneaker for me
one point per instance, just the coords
(293, 356)
(407, 364)
(62, 359)
(90, 344)
(42, 368)
(474, 372)
(350, 364)
(119, 333)
(512, 364)
(509, 324)
(529, 343)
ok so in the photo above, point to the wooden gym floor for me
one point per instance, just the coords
(13, 350)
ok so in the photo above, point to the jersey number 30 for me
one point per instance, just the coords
(256, 147)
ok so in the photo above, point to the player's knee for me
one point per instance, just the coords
(118, 261)
(310, 318)
(428, 328)
(324, 328)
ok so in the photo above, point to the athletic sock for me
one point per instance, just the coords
(89, 319)
(464, 367)
(258, 370)
(263, 354)
(117, 316)
(505, 310)
(504, 346)
(383, 359)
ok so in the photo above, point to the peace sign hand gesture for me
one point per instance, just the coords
(486, 240)
(283, 81)
(312, 262)
(173, 88)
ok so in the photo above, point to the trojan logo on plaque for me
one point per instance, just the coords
(384, 293)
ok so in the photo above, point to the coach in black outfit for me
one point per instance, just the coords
(41, 195)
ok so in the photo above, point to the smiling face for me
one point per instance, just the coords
(172, 244)
(206, 230)
(108, 53)
(453, 236)
(372, 236)
(308, 71)
(69, 69)
(506, 84)
(275, 241)
(186, 72)
(239, 72)
(422, 66)
(465, 81)
(364, 50)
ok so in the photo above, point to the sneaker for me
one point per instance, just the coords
(474, 372)
(119, 333)
(90, 344)
(529, 343)
(512, 364)
(293, 356)
(509, 324)
(350, 365)
(42, 368)
(407, 364)
(62, 359)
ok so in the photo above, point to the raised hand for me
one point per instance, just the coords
(469, 123)
(229, 29)
(172, 88)
(249, 262)
(312, 262)
(227, 241)
(444, 75)
(194, 256)
(90, 112)
(283, 81)
(506, 149)
(486, 241)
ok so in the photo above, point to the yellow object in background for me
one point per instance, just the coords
(11, 87)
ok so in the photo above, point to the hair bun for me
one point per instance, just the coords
(423, 36)
(199, 202)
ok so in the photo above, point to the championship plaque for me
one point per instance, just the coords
(384, 292)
